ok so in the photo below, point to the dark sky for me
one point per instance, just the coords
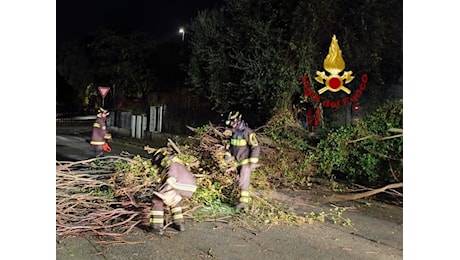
(75, 18)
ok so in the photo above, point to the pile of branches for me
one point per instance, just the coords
(107, 196)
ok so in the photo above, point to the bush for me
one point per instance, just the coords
(369, 153)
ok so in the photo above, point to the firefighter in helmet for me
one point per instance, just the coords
(100, 134)
(245, 149)
(176, 182)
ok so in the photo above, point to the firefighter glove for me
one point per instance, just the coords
(227, 156)
(170, 198)
(106, 147)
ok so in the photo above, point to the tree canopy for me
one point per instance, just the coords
(252, 54)
(127, 62)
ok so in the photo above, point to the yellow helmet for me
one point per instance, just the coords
(233, 116)
(161, 156)
(103, 111)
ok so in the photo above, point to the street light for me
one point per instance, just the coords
(182, 31)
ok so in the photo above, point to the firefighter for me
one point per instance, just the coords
(100, 134)
(177, 182)
(245, 149)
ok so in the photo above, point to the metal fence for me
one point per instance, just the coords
(72, 119)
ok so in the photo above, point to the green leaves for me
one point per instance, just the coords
(367, 153)
(236, 57)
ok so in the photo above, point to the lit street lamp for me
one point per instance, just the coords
(182, 31)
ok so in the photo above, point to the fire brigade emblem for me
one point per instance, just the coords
(334, 64)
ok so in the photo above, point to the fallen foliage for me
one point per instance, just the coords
(109, 196)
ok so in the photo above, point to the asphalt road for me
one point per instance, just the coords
(377, 231)
(72, 144)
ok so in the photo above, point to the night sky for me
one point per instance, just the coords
(75, 18)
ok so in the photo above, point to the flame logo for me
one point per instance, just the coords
(334, 64)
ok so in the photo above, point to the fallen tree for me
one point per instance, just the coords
(109, 196)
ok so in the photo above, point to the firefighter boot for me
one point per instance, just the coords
(178, 218)
(244, 200)
(157, 221)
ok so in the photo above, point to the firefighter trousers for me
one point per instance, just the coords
(157, 214)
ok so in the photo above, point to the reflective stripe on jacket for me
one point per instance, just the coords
(100, 132)
(180, 178)
(244, 145)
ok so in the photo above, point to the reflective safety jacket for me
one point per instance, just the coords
(100, 132)
(180, 178)
(244, 145)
